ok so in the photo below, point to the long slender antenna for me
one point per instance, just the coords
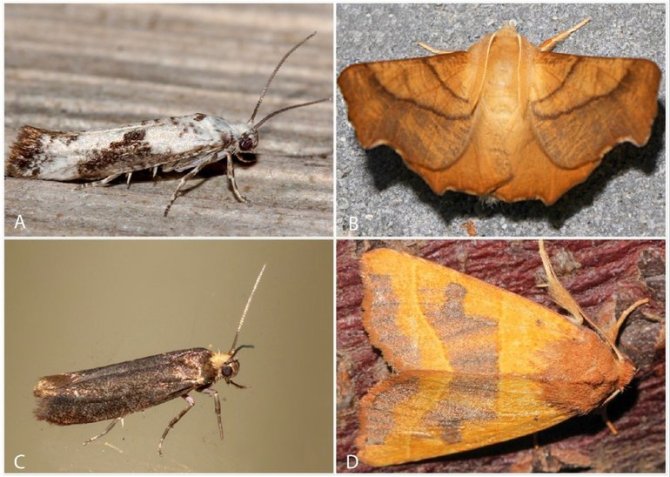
(279, 111)
(267, 85)
(246, 307)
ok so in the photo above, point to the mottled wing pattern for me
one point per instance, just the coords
(417, 415)
(91, 155)
(426, 316)
(581, 107)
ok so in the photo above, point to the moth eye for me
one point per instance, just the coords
(246, 144)
(227, 371)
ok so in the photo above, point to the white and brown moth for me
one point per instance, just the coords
(171, 144)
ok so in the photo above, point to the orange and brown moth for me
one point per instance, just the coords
(504, 119)
(473, 364)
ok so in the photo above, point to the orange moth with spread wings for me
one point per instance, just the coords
(505, 118)
(474, 364)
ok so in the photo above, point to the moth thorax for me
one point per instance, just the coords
(226, 366)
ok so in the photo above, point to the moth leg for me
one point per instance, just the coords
(189, 400)
(128, 176)
(230, 172)
(101, 183)
(109, 428)
(238, 386)
(610, 425)
(217, 407)
(539, 457)
(182, 182)
(246, 161)
(435, 51)
(549, 44)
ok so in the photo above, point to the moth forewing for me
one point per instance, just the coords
(117, 390)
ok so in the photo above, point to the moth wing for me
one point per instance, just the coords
(421, 107)
(61, 382)
(417, 415)
(426, 316)
(119, 389)
(581, 107)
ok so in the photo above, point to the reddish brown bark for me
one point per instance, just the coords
(604, 277)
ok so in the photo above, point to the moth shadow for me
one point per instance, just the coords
(387, 168)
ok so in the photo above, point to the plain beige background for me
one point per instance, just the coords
(73, 305)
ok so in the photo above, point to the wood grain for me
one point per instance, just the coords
(78, 67)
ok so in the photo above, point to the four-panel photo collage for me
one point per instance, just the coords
(337, 237)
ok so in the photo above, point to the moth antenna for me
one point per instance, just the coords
(235, 351)
(279, 111)
(614, 332)
(564, 299)
(274, 73)
(246, 308)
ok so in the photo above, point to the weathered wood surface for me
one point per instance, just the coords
(78, 67)
(603, 277)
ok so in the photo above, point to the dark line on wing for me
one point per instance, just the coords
(379, 86)
(437, 77)
(590, 100)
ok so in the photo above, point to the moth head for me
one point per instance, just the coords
(230, 369)
(226, 365)
(510, 25)
(248, 141)
(624, 372)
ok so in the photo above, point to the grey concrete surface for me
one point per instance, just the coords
(625, 195)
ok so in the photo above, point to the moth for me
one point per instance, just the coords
(169, 144)
(117, 390)
(474, 365)
(504, 119)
